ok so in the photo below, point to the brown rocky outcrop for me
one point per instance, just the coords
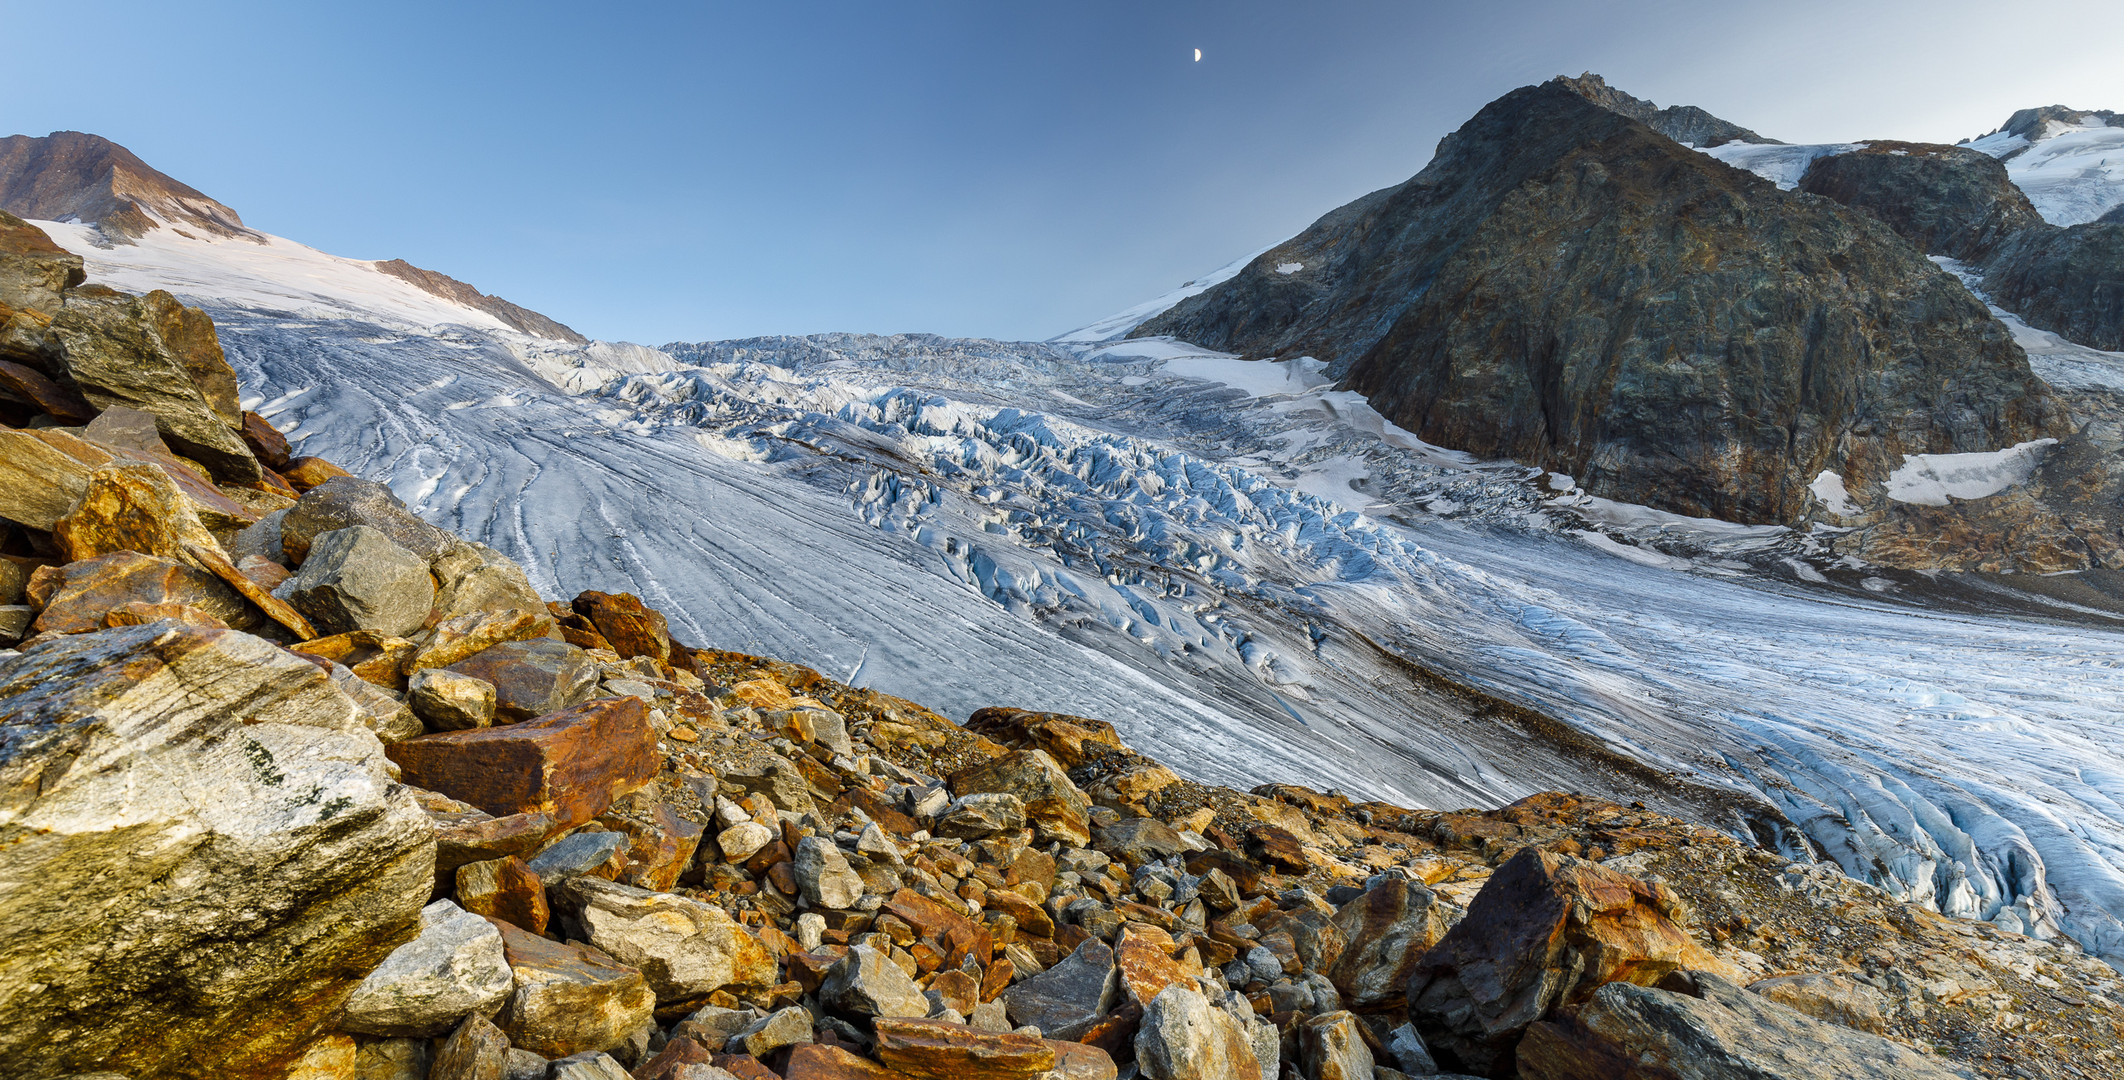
(451, 289)
(568, 766)
(72, 175)
(1948, 200)
(1567, 287)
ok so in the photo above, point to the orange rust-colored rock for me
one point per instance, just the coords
(31, 386)
(131, 506)
(660, 850)
(137, 613)
(82, 593)
(304, 473)
(632, 628)
(1545, 932)
(267, 444)
(569, 998)
(1032, 918)
(568, 765)
(257, 592)
(1144, 956)
(940, 1050)
(961, 936)
(504, 889)
(1070, 739)
(812, 1061)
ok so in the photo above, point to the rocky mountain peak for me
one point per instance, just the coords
(2035, 124)
(1682, 123)
(451, 289)
(75, 176)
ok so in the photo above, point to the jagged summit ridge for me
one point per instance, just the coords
(1685, 124)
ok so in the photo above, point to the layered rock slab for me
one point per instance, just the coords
(200, 854)
(568, 766)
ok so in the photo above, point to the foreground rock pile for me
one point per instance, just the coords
(293, 784)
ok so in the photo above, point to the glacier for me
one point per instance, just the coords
(1251, 574)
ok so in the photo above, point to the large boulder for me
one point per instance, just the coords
(632, 628)
(941, 1050)
(866, 984)
(568, 766)
(686, 949)
(201, 854)
(454, 969)
(154, 354)
(1714, 1031)
(1332, 1047)
(1545, 932)
(84, 592)
(132, 506)
(472, 578)
(1388, 931)
(569, 998)
(356, 578)
(823, 875)
(1054, 806)
(1184, 1038)
(345, 501)
(1065, 1000)
(532, 678)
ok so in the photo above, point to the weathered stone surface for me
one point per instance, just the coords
(477, 1050)
(15, 622)
(1070, 740)
(131, 506)
(867, 984)
(568, 766)
(29, 385)
(154, 354)
(587, 1066)
(684, 948)
(1838, 999)
(381, 713)
(783, 1027)
(975, 816)
(91, 588)
(305, 473)
(1183, 1038)
(1143, 957)
(1388, 931)
(1759, 338)
(1067, 999)
(402, 1058)
(939, 1050)
(1722, 1033)
(332, 1057)
(267, 444)
(1032, 919)
(466, 834)
(38, 482)
(473, 578)
(2064, 281)
(1332, 1048)
(824, 876)
(1138, 840)
(452, 970)
(450, 701)
(203, 818)
(591, 854)
(253, 586)
(816, 1062)
(136, 613)
(569, 998)
(378, 658)
(658, 850)
(504, 889)
(1682, 123)
(34, 271)
(632, 628)
(1547, 930)
(357, 579)
(1054, 806)
(778, 779)
(344, 502)
(743, 840)
(532, 678)
(465, 636)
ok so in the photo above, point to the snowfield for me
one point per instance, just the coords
(2073, 173)
(1250, 573)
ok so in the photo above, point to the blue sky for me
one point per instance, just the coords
(655, 171)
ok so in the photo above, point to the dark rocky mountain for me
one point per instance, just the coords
(2068, 281)
(2029, 123)
(74, 176)
(1948, 200)
(1682, 123)
(1568, 287)
(449, 288)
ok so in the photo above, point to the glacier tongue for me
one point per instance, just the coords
(1139, 532)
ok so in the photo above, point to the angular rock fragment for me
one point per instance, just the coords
(817, 1062)
(305, 473)
(154, 354)
(823, 875)
(473, 579)
(454, 969)
(1183, 1038)
(587, 1066)
(684, 948)
(262, 859)
(381, 712)
(1138, 840)
(88, 590)
(477, 1050)
(357, 579)
(973, 817)
(584, 854)
(783, 1027)
(1143, 958)
(464, 636)
(1838, 999)
(865, 984)
(532, 678)
(450, 701)
(1332, 1048)
(632, 628)
(1721, 1032)
(38, 482)
(131, 506)
(659, 850)
(504, 889)
(569, 998)
(568, 766)
(344, 502)
(939, 1050)
(1054, 806)
(1065, 1000)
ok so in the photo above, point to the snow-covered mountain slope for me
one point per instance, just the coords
(2072, 171)
(1241, 567)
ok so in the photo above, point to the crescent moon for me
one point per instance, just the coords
(1198, 56)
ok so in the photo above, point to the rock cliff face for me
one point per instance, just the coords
(1565, 286)
(1948, 200)
(1682, 123)
(71, 175)
(2068, 281)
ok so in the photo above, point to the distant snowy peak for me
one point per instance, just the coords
(2070, 162)
(151, 231)
(75, 176)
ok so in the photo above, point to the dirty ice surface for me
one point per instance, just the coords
(1232, 561)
